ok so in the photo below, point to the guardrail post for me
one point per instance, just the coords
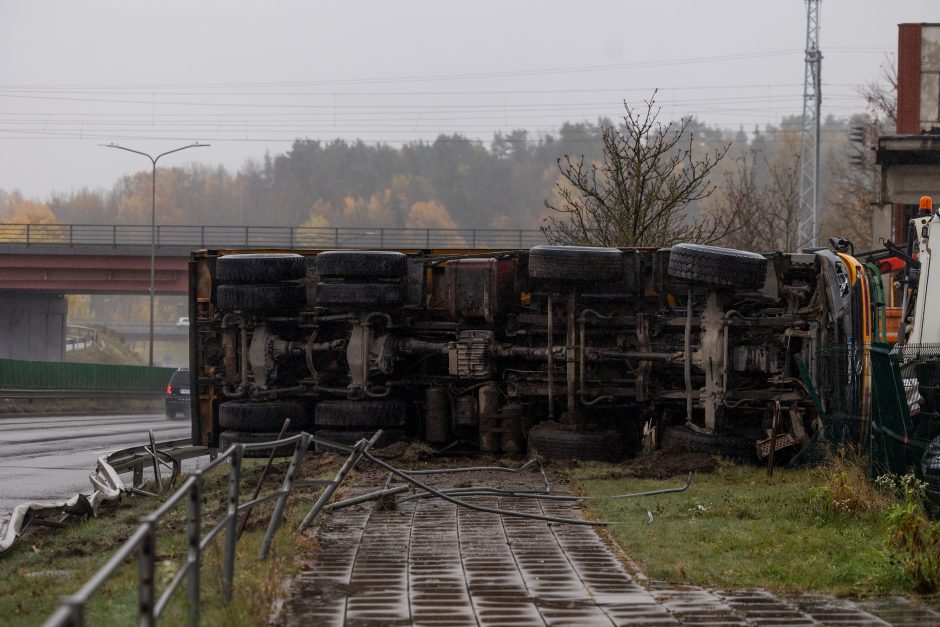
(157, 477)
(234, 481)
(71, 233)
(336, 237)
(194, 533)
(427, 239)
(327, 494)
(114, 235)
(202, 236)
(278, 513)
(146, 592)
(246, 237)
(27, 235)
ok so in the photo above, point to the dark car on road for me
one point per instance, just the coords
(177, 394)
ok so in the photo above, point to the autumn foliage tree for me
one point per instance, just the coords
(638, 194)
(25, 218)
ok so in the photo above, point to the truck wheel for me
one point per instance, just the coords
(261, 297)
(359, 294)
(359, 264)
(360, 414)
(732, 447)
(389, 436)
(575, 263)
(259, 268)
(552, 443)
(719, 267)
(253, 417)
(228, 438)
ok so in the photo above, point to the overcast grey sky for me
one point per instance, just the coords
(251, 76)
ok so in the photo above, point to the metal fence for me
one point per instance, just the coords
(222, 236)
(883, 400)
(143, 541)
(78, 337)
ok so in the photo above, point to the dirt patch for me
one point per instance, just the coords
(72, 551)
(313, 465)
(661, 464)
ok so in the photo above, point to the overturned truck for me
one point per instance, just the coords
(568, 351)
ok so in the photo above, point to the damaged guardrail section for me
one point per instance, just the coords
(142, 541)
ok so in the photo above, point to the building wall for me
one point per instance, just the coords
(930, 77)
(32, 325)
(918, 78)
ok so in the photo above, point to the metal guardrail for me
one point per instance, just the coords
(78, 337)
(222, 236)
(71, 612)
(57, 393)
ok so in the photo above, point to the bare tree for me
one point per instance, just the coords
(639, 193)
(882, 95)
(855, 181)
(764, 194)
(854, 184)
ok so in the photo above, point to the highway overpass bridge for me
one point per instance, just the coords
(39, 263)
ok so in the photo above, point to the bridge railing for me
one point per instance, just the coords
(222, 236)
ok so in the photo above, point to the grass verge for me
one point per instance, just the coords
(49, 563)
(820, 530)
(153, 405)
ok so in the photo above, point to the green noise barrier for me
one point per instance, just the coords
(45, 375)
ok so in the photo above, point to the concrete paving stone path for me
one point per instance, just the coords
(432, 563)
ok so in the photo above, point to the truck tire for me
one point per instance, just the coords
(362, 264)
(718, 267)
(251, 417)
(551, 443)
(228, 438)
(359, 294)
(360, 414)
(349, 438)
(259, 268)
(731, 447)
(261, 297)
(575, 263)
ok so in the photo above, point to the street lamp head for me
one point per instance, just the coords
(153, 217)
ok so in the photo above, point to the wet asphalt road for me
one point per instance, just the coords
(50, 457)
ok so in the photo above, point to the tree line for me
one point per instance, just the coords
(637, 181)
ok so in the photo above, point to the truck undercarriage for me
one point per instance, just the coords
(571, 351)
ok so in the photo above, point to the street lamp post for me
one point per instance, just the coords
(153, 218)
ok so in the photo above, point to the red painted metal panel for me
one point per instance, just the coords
(92, 261)
(93, 274)
(111, 287)
(909, 56)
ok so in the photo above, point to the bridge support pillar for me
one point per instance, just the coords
(32, 325)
